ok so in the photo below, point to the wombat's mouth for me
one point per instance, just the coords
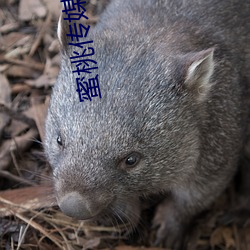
(120, 213)
(109, 217)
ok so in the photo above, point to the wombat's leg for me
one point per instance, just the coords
(172, 223)
(175, 213)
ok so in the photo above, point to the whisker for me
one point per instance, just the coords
(36, 140)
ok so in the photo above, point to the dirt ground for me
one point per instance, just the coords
(29, 217)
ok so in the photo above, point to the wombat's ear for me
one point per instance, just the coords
(63, 25)
(62, 31)
(200, 67)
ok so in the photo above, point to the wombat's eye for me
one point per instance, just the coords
(132, 160)
(59, 140)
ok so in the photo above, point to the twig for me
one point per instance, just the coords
(32, 65)
(17, 115)
(40, 35)
(10, 176)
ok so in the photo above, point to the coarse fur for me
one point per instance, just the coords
(173, 77)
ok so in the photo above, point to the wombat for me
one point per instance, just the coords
(173, 76)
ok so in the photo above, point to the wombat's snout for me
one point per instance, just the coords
(75, 205)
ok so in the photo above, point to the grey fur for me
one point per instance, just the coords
(189, 135)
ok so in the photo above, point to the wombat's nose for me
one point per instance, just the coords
(74, 205)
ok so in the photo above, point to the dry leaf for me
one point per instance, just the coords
(19, 144)
(228, 237)
(22, 199)
(55, 7)
(217, 237)
(222, 236)
(22, 71)
(137, 248)
(5, 100)
(9, 41)
(29, 9)
(39, 112)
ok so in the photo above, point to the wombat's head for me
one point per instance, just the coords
(140, 138)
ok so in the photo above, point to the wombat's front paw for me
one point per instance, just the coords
(170, 230)
(169, 236)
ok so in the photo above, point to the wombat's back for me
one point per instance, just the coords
(226, 20)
